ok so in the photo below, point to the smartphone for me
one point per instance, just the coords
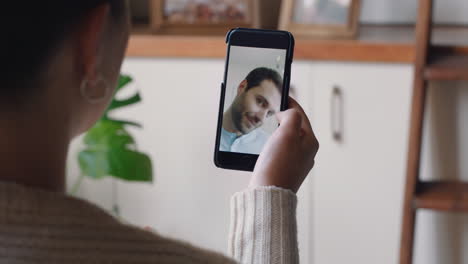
(255, 87)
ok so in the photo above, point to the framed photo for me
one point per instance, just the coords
(320, 18)
(210, 16)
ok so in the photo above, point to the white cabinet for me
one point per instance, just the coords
(300, 89)
(358, 182)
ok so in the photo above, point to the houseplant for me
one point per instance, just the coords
(110, 150)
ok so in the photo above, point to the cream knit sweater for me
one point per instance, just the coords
(43, 227)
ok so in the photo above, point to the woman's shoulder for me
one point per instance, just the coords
(42, 226)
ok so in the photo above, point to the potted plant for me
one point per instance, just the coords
(110, 150)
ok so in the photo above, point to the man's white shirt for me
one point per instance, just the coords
(251, 143)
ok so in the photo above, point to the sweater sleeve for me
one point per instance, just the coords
(263, 226)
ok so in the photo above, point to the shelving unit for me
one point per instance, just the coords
(392, 44)
(443, 196)
(447, 65)
(431, 63)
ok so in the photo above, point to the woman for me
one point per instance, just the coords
(60, 60)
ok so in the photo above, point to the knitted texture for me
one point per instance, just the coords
(44, 227)
(263, 226)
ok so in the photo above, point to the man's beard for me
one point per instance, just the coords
(237, 115)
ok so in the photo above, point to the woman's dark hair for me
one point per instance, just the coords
(32, 31)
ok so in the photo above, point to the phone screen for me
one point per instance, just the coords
(253, 95)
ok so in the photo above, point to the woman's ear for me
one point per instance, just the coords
(242, 87)
(89, 36)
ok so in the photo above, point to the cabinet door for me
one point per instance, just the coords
(300, 86)
(358, 182)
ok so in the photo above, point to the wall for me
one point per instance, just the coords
(442, 237)
(404, 11)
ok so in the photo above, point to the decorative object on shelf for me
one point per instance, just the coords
(320, 18)
(110, 150)
(206, 12)
(211, 16)
(139, 10)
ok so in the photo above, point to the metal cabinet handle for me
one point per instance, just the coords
(337, 113)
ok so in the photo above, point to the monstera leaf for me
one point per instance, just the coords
(111, 150)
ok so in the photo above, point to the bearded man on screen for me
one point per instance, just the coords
(258, 98)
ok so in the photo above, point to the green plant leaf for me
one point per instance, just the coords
(130, 165)
(107, 134)
(94, 163)
(121, 103)
(124, 80)
(126, 122)
(111, 150)
(120, 163)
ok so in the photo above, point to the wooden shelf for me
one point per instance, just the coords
(445, 196)
(394, 44)
(447, 64)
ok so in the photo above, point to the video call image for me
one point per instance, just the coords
(253, 97)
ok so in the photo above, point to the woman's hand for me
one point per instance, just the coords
(289, 153)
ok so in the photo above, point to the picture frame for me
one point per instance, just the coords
(163, 21)
(328, 19)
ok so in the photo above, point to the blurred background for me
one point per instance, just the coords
(350, 207)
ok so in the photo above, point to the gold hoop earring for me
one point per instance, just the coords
(90, 95)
